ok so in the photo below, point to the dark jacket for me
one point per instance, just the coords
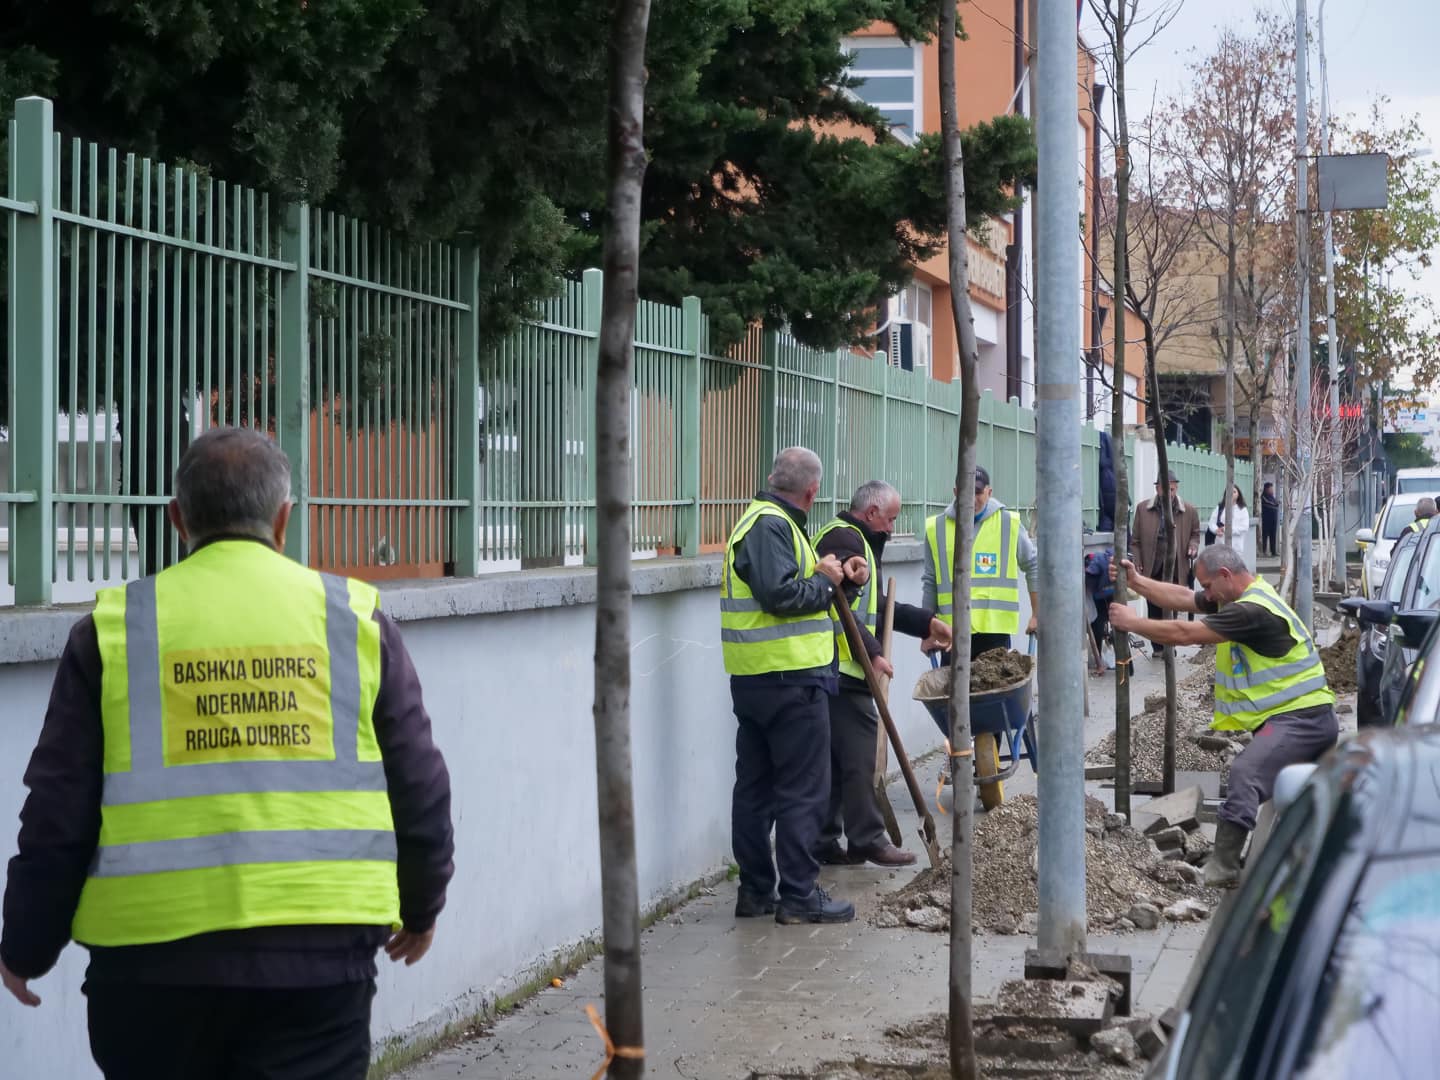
(60, 827)
(909, 619)
(1145, 537)
(765, 561)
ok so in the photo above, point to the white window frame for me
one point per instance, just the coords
(906, 307)
(915, 72)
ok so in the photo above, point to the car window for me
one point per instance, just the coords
(1377, 1002)
(1228, 997)
(1400, 560)
(1427, 578)
(1418, 483)
(1397, 516)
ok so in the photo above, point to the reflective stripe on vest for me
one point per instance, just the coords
(1418, 525)
(994, 598)
(866, 604)
(754, 642)
(1250, 688)
(242, 782)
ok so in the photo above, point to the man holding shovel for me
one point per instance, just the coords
(861, 532)
(778, 640)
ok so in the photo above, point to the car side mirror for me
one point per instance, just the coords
(1364, 536)
(1368, 612)
(1288, 784)
(1415, 625)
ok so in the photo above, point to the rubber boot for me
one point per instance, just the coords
(1222, 870)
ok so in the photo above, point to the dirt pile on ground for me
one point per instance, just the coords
(1124, 870)
(1339, 660)
(1194, 709)
(988, 671)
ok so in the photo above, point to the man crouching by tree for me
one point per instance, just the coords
(1269, 680)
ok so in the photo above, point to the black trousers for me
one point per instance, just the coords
(140, 1032)
(1269, 525)
(854, 810)
(782, 781)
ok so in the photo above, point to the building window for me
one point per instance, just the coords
(911, 327)
(890, 71)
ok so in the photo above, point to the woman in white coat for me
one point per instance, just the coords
(1239, 524)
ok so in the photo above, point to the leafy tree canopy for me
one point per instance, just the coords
(770, 193)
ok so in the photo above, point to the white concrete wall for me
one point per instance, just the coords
(506, 667)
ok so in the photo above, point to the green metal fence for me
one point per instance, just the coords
(147, 303)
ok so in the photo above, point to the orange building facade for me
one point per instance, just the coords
(904, 82)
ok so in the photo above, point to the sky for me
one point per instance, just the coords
(1373, 47)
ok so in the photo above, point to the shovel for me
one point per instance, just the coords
(882, 762)
(857, 650)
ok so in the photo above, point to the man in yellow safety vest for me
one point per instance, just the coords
(235, 800)
(777, 637)
(1269, 680)
(1002, 548)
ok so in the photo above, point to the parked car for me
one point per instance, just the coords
(1321, 966)
(1398, 512)
(1375, 638)
(1384, 658)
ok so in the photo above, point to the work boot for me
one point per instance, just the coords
(833, 854)
(1222, 869)
(750, 904)
(815, 908)
(882, 854)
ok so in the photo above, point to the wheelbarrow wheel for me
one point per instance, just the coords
(987, 763)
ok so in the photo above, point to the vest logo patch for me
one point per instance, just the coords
(256, 703)
(987, 564)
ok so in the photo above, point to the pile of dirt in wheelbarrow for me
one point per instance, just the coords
(1339, 660)
(1128, 884)
(991, 670)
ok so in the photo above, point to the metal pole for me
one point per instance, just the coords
(1304, 558)
(1062, 766)
(1332, 348)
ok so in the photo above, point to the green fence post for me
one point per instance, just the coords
(692, 390)
(592, 305)
(833, 468)
(769, 404)
(467, 419)
(34, 314)
(292, 375)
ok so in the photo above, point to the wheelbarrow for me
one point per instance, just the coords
(1002, 712)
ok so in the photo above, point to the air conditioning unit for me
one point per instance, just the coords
(900, 345)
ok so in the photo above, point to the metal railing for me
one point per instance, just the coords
(147, 303)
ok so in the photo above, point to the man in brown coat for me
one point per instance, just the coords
(1147, 543)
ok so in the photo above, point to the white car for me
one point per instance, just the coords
(1398, 512)
(1424, 481)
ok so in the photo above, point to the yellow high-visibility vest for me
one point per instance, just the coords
(754, 642)
(1250, 688)
(994, 585)
(866, 604)
(243, 784)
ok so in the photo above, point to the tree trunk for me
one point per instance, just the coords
(1230, 281)
(1120, 289)
(624, 1006)
(1169, 562)
(962, 1034)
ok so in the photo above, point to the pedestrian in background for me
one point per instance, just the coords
(1147, 543)
(234, 802)
(1239, 524)
(778, 642)
(862, 531)
(1269, 519)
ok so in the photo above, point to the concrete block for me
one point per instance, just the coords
(1180, 810)
(1172, 837)
(1151, 1039)
(1030, 1042)
(1078, 1007)
(1054, 964)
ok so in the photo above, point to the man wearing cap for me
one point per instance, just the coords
(1147, 543)
(1001, 548)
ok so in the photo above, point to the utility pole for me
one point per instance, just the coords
(1304, 556)
(1062, 766)
(1332, 347)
